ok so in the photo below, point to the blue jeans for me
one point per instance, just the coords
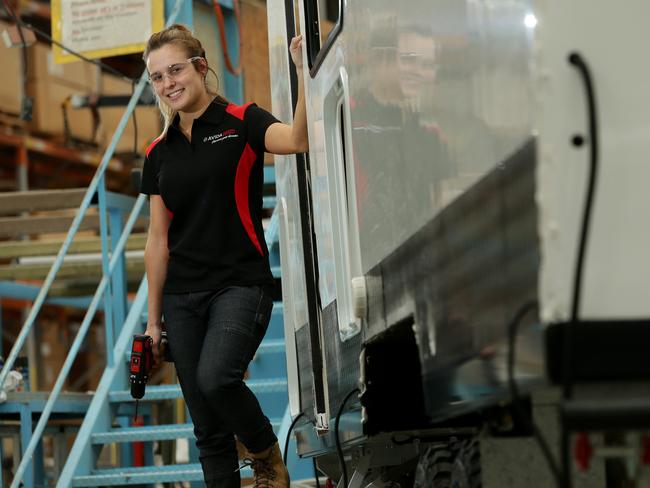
(212, 337)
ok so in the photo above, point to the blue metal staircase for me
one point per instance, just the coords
(113, 400)
(107, 421)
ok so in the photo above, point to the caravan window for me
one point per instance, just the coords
(324, 20)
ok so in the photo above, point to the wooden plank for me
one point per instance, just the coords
(68, 270)
(17, 226)
(28, 201)
(17, 249)
(79, 287)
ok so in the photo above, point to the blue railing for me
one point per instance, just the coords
(97, 185)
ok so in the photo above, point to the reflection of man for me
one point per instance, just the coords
(400, 151)
(416, 58)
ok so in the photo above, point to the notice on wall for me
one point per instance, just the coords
(100, 28)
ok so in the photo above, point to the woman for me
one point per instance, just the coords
(206, 259)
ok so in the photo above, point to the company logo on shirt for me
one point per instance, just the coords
(228, 134)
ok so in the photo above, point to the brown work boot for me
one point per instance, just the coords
(269, 469)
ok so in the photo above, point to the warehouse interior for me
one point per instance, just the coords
(421, 387)
(56, 123)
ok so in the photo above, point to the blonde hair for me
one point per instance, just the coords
(181, 36)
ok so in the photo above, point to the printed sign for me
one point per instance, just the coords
(100, 28)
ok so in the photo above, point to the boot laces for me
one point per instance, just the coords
(263, 471)
(246, 463)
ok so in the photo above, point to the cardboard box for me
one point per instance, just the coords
(10, 88)
(148, 119)
(50, 84)
(53, 346)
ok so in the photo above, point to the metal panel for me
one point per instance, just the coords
(439, 99)
(617, 267)
(293, 280)
(428, 113)
(463, 278)
(286, 179)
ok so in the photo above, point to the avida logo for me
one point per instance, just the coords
(227, 134)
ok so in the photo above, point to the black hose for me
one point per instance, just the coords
(316, 473)
(339, 450)
(286, 442)
(577, 61)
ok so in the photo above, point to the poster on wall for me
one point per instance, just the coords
(101, 28)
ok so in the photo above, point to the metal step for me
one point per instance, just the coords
(153, 474)
(153, 433)
(148, 433)
(271, 346)
(267, 346)
(269, 202)
(167, 392)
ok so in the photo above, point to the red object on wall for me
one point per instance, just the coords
(583, 451)
(645, 450)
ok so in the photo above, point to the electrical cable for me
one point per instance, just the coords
(316, 472)
(514, 390)
(236, 71)
(67, 133)
(43, 35)
(577, 61)
(286, 441)
(339, 450)
(135, 124)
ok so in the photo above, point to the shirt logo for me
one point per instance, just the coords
(228, 134)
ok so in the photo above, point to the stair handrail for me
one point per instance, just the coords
(76, 344)
(56, 265)
(81, 212)
(83, 207)
(88, 426)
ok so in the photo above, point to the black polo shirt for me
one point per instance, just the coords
(212, 188)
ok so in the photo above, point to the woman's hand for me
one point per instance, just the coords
(296, 52)
(155, 332)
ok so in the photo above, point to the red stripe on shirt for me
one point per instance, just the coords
(241, 194)
(237, 110)
(153, 144)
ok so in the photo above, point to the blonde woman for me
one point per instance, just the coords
(206, 259)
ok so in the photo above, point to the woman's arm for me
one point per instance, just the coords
(156, 255)
(291, 139)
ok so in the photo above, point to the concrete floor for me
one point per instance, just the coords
(519, 462)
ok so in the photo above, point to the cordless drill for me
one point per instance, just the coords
(141, 364)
